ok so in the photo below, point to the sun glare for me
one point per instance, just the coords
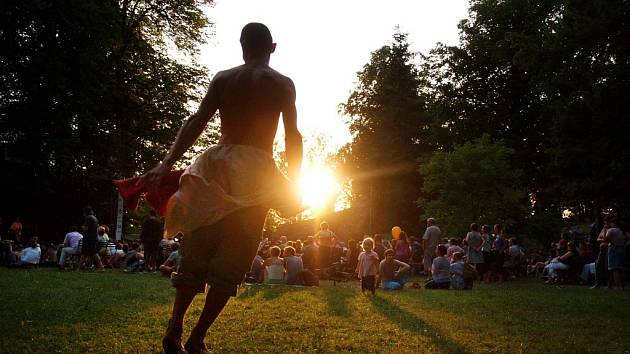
(318, 186)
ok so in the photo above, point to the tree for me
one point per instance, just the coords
(473, 183)
(90, 93)
(549, 78)
(389, 126)
(587, 82)
(489, 83)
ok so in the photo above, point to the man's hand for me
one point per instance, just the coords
(153, 178)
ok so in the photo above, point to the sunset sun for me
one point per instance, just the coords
(318, 186)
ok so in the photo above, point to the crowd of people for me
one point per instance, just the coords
(486, 253)
(90, 247)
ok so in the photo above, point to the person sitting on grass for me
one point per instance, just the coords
(293, 266)
(392, 272)
(274, 267)
(29, 257)
(256, 272)
(50, 259)
(453, 248)
(560, 263)
(134, 261)
(172, 262)
(119, 255)
(457, 271)
(367, 266)
(440, 270)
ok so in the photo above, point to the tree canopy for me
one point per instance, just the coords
(545, 79)
(473, 183)
(90, 93)
(389, 125)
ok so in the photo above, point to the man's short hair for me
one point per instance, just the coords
(275, 251)
(324, 225)
(289, 251)
(256, 38)
(431, 221)
(388, 252)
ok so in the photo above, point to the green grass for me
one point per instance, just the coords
(46, 311)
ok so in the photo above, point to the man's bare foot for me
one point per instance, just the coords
(172, 341)
(195, 347)
(171, 346)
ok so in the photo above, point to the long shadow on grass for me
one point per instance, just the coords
(337, 298)
(413, 324)
(269, 292)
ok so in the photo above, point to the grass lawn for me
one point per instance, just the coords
(46, 311)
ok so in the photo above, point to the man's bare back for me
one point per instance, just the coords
(250, 99)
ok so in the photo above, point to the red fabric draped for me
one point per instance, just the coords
(158, 198)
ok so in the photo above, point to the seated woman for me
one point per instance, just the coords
(274, 267)
(119, 255)
(457, 271)
(560, 263)
(134, 260)
(172, 262)
(440, 270)
(293, 266)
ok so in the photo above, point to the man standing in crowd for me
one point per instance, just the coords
(150, 237)
(89, 248)
(224, 196)
(430, 240)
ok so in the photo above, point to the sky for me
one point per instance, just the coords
(322, 45)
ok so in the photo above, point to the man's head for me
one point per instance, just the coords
(389, 254)
(256, 41)
(87, 210)
(275, 251)
(324, 225)
(430, 221)
(289, 251)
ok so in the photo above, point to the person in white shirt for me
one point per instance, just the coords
(30, 255)
(70, 245)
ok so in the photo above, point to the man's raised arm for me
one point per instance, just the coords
(293, 138)
(186, 136)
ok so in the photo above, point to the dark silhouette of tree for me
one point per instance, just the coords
(90, 92)
(389, 126)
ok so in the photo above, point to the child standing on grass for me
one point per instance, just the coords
(367, 266)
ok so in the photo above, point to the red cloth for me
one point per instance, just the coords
(158, 198)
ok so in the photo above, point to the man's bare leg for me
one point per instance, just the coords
(215, 302)
(240, 225)
(183, 298)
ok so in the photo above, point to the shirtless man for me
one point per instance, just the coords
(250, 99)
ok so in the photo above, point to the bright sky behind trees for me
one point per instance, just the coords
(321, 45)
